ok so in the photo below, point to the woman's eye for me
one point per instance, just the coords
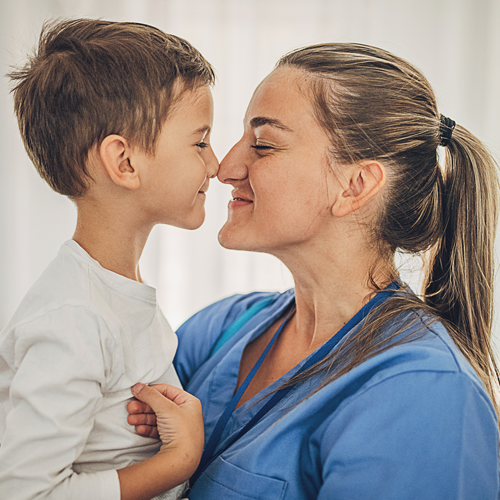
(202, 145)
(261, 148)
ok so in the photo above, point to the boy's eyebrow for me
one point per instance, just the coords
(205, 128)
(259, 121)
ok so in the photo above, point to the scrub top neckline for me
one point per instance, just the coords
(250, 408)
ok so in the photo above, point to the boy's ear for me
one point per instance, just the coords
(362, 182)
(115, 153)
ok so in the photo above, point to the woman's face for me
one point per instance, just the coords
(279, 171)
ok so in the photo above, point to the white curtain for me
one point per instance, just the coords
(455, 42)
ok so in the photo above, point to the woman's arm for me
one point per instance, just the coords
(180, 427)
(420, 434)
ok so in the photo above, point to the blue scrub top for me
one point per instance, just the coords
(413, 422)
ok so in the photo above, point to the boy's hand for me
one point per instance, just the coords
(143, 418)
(170, 414)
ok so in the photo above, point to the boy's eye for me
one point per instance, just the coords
(202, 145)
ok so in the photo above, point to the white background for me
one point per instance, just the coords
(455, 42)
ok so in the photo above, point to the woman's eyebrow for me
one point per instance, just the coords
(258, 121)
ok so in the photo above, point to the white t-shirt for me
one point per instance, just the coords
(81, 338)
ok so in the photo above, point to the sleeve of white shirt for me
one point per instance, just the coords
(55, 395)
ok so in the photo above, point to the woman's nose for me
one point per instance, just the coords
(233, 165)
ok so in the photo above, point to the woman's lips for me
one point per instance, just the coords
(238, 202)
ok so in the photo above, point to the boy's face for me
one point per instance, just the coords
(175, 179)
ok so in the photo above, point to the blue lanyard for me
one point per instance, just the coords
(208, 454)
(214, 440)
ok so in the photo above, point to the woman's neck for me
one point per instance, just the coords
(330, 287)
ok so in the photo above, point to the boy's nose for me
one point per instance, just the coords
(232, 167)
(212, 165)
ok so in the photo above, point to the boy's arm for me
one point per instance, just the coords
(54, 397)
(180, 427)
(52, 401)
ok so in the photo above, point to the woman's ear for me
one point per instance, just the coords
(361, 183)
(115, 153)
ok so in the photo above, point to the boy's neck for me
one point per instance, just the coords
(116, 244)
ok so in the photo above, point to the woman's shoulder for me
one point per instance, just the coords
(416, 354)
(198, 335)
(422, 342)
(220, 315)
(421, 379)
(423, 360)
(222, 312)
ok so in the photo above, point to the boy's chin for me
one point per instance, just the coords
(190, 224)
(193, 226)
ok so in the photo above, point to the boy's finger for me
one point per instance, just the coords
(138, 407)
(142, 419)
(148, 431)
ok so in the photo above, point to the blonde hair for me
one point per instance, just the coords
(374, 105)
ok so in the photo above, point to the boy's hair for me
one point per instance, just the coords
(92, 78)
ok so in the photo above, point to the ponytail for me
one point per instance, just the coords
(459, 282)
(374, 105)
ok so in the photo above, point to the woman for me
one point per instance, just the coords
(350, 386)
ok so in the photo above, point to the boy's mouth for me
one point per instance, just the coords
(203, 190)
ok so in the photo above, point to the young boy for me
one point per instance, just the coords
(116, 116)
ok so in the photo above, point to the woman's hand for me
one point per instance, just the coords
(179, 425)
(170, 414)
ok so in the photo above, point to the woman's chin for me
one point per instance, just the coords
(224, 238)
(231, 239)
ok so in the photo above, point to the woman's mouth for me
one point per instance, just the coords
(238, 202)
(239, 199)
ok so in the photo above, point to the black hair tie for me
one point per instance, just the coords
(445, 130)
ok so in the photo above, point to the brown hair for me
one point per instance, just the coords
(374, 105)
(91, 78)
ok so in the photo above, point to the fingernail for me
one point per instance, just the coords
(137, 388)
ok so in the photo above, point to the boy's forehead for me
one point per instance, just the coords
(193, 102)
(193, 111)
(191, 97)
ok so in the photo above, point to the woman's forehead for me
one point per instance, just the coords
(280, 97)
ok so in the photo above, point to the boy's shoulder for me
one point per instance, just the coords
(58, 309)
(74, 285)
(73, 281)
(64, 282)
